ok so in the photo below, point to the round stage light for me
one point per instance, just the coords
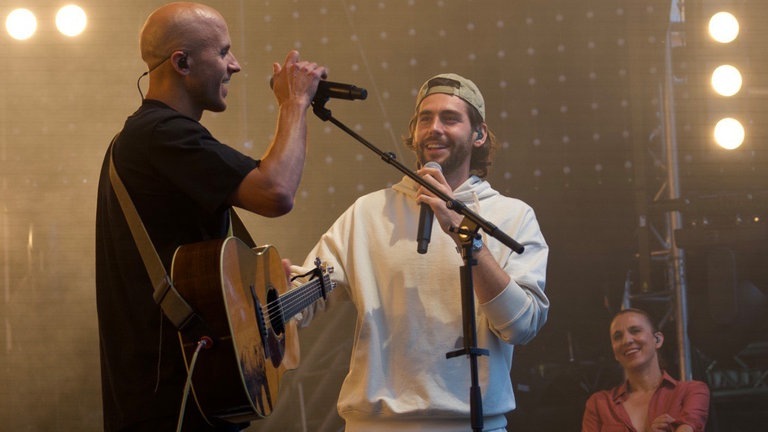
(71, 20)
(726, 80)
(729, 133)
(723, 27)
(21, 24)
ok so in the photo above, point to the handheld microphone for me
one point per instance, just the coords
(425, 219)
(330, 89)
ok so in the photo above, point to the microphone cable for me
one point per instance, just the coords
(205, 342)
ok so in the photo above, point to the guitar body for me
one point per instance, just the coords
(228, 285)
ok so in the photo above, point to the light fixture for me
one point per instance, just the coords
(723, 27)
(726, 80)
(71, 20)
(21, 24)
(729, 133)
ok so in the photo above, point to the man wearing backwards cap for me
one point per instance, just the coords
(409, 304)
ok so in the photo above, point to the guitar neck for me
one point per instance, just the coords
(298, 299)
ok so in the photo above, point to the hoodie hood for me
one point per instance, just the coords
(470, 192)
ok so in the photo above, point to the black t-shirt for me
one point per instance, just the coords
(179, 178)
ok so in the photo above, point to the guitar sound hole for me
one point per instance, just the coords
(260, 320)
(275, 311)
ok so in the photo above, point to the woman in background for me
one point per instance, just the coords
(649, 400)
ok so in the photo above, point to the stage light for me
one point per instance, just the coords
(729, 73)
(71, 20)
(723, 27)
(726, 80)
(21, 24)
(729, 133)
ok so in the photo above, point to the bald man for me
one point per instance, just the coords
(183, 183)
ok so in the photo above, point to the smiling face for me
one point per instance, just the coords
(634, 341)
(211, 66)
(443, 133)
(187, 49)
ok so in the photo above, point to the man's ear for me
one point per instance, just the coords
(481, 135)
(180, 60)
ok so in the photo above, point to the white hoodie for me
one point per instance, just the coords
(409, 311)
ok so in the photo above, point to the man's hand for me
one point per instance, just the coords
(446, 217)
(296, 79)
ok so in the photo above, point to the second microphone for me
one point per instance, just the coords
(426, 215)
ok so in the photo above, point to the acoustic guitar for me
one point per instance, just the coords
(242, 303)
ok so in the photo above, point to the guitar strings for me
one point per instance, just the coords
(290, 299)
(287, 301)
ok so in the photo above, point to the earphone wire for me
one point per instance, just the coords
(138, 81)
(138, 84)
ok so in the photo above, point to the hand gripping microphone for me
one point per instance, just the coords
(425, 219)
(330, 89)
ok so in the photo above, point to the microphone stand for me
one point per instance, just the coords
(468, 230)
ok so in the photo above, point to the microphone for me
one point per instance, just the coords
(425, 219)
(330, 89)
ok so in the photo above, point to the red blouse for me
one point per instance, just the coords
(686, 401)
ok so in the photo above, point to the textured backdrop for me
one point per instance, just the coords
(570, 88)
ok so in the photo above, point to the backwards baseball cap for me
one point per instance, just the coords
(456, 85)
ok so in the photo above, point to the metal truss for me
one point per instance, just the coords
(659, 216)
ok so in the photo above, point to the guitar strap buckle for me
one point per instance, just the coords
(175, 308)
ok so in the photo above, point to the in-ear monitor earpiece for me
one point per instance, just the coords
(183, 62)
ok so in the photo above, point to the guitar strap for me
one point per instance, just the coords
(178, 311)
(237, 229)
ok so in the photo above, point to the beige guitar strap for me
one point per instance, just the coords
(178, 311)
(165, 294)
(237, 229)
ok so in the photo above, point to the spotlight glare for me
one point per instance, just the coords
(729, 133)
(71, 20)
(726, 80)
(21, 24)
(723, 27)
